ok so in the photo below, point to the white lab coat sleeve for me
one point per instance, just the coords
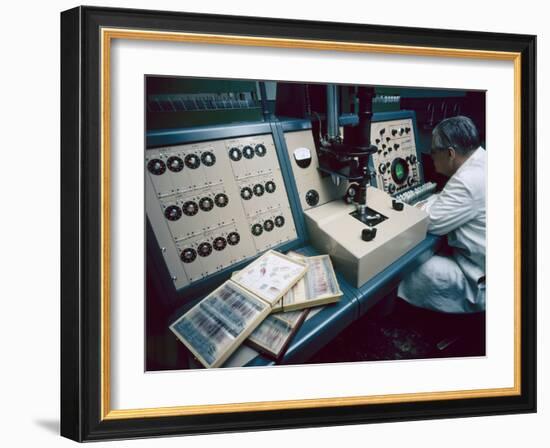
(451, 208)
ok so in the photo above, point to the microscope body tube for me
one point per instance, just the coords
(332, 112)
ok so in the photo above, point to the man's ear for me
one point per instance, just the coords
(451, 152)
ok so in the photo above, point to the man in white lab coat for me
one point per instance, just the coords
(454, 283)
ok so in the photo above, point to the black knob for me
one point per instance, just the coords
(413, 159)
(257, 229)
(192, 161)
(396, 146)
(190, 208)
(156, 167)
(279, 221)
(172, 213)
(407, 130)
(205, 249)
(312, 197)
(382, 131)
(233, 238)
(270, 186)
(258, 189)
(368, 234)
(377, 141)
(268, 225)
(221, 199)
(260, 150)
(235, 154)
(397, 205)
(208, 158)
(188, 255)
(248, 152)
(391, 188)
(175, 164)
(206, 204)
(382, 168)
(220, 243)
(394, 132)
(246, 193)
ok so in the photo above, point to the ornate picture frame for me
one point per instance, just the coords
(87, 35)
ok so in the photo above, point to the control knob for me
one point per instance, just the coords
(175, 164)
(204, 249)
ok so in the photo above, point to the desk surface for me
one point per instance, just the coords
(324, 323)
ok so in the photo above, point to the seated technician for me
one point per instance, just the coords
(454, 283)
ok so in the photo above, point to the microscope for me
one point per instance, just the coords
(368, 229)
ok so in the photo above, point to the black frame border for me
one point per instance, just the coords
(81, 223)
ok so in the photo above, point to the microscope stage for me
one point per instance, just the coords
(336, 229)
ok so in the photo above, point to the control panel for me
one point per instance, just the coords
(396, 161)
(314, 188)
(213, 204)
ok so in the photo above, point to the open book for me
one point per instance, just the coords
(221, 321)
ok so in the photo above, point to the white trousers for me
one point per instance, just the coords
(440, 285)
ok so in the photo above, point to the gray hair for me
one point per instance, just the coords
(459, 133)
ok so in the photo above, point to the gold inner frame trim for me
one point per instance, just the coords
(107, 35)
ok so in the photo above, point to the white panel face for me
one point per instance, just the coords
(300, 144)
(396, 165)
(213, 204)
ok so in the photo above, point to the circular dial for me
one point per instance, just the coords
(172, 213)
(204, 249)
(156, 167)
(233, 238)
(248, 152)
(246, 193)
(279, 221)
(192, 161)
(312, 197)
(175, 164)
(206, 204)
(188, 255)
(382, 168)
(260, 150)
(190, 208)
(257, 229)
(270, 186)
(391, 188)
(235, 154)
(208, 158)
(258, 189)
(219, 243)
(399, 170)
(221, 199)
(268, 225)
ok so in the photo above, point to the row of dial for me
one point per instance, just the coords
(268, 225)
(248, 152)
(395, 131)
(258, 190)
(204, 249)
(191, 208)
(176, 164)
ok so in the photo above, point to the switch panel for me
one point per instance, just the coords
(213, 204)
(396, 161)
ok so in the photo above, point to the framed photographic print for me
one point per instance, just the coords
(257, 212)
